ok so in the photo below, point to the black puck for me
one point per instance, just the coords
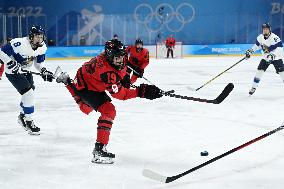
(204, 153)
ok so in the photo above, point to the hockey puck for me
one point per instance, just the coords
(204, 153)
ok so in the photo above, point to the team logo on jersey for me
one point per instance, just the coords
(114, 88)
(28, 61)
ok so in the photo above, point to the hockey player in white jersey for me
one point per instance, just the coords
(272, 53)
(20, 55)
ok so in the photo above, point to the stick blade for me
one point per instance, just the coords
(227, 90)
(154, 176)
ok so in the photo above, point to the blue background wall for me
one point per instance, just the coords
(191, 21)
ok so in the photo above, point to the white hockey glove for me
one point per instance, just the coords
(13, 66)
(46, 75)
(270, 57)
(248, 53)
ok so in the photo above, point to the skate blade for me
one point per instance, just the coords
(102, 160)
(33, 133)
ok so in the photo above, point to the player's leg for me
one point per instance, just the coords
(108, 113)
(101, 102)
(25, 86)
(168, 52)
(1, 69)
(172, 52)
(279, 67)
(262, 67)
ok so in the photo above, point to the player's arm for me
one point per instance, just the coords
(254, 48)
(39, 65)
(139, 71)
(145, 61)
(6, 54)
(272, 54)
(167, 42)
(121, 93)
(143, 91)
(276, 43)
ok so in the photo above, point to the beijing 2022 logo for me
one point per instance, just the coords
(164, 15)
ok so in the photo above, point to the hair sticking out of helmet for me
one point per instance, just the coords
(266, 29)
(139, 45)
(37, 36)
(115, 53)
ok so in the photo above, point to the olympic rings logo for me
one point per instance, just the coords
(164, 15)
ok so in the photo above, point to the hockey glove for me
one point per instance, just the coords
(46, 75)
(149, 92)
(270, 57)
(125, 82)
(13, 66)
(248, 53)
(137, 71)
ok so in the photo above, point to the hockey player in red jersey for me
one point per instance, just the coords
(100, 74)
(170, 44)
(138, 60)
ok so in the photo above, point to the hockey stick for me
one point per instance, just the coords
(31, 72)
(226, 91)
(58, 69)
(220, 74)
(158, 177)
(171, 91)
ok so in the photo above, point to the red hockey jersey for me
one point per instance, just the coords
(170, 42)
(138, 59)
(98, 75)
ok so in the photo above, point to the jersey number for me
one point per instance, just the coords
(111, 77)
(17, 44)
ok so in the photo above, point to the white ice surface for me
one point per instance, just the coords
(164, 135)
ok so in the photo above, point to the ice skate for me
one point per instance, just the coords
(28, 125)
(101, 155)
(252, 90)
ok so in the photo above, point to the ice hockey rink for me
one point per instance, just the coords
(165, 135)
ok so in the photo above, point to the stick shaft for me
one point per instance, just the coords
(140, 75)
(220, 74)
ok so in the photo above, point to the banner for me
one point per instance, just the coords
(191, 21)
(188, 50)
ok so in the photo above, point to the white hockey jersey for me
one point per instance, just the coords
(20, 50)
(272, 45)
